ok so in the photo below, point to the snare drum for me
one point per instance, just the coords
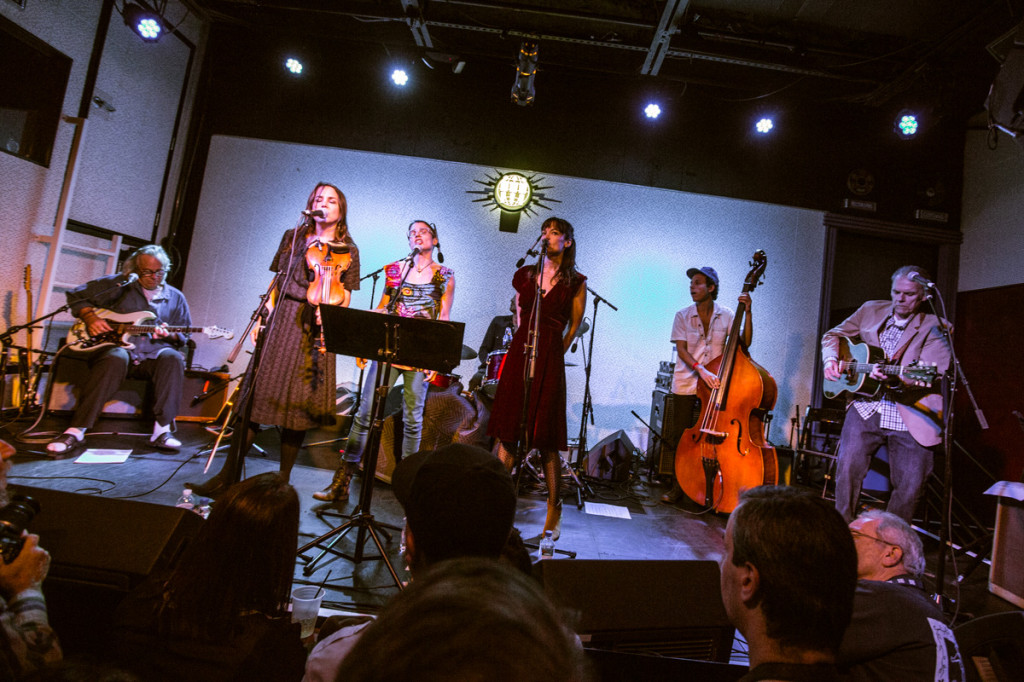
(443, 381)
(495, 363)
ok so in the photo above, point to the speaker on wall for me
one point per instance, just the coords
(666, 608)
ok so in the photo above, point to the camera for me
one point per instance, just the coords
(14, 518)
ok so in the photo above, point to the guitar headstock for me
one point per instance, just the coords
(757, 266)
(219, 333)
(920, 373)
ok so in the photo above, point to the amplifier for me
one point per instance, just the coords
(670, 415)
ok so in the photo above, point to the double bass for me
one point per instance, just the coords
(725, 452)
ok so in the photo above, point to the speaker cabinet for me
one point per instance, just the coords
(101, 548)
(664, 608)
(1006, 577)
(670, 414)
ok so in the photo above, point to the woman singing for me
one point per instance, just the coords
(561, 310)
(295, 386)
(428, 291)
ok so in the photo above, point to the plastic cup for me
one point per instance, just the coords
(305, 607)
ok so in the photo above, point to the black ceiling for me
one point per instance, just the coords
(878, 53)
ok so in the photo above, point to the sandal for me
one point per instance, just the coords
(166, 441)
(64, 443)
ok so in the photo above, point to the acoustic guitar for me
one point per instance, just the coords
(856, 360)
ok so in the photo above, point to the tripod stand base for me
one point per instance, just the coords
(365, 525)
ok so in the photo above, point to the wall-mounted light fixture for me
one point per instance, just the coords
(512, 193)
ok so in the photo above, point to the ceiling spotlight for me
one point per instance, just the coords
(146, 23)
(293, 65)
(906, 124)
(523, 91)
(399, 77)
(652, 110)
(764, 125)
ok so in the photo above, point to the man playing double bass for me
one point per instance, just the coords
(904, 418)
(699, 333)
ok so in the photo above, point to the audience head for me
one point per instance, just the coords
(458, 501)
(886, 546)
(469, 619)
(789, 571)
(243, 559)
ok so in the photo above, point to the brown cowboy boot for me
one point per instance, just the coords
(338, 489)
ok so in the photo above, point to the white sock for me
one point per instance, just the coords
(76, 432)
(159, 430)
(79, 435)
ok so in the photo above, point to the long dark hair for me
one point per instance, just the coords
(308, 225)
(242, 561)
(567, 270)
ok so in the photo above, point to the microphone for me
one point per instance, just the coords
(415, 252)
(916, 277)
(529, 252)
(129, 278)
(314, 214)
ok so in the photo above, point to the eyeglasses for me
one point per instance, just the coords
(857, 533)
(152, 273)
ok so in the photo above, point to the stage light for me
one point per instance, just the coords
(764, 125)
(523, 92)
(652, 110)
(906, 124)
(147, 24)
(293, 65)
(399, 77)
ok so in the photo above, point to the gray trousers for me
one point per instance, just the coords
(108, 370)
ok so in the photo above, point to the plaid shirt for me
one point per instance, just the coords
(889, 416)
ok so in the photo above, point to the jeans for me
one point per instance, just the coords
(414, 390)
(910, 464)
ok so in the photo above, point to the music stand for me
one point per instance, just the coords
(388, 340)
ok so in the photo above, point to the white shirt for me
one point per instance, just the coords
(688, 328)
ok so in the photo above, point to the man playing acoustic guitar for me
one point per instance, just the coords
(140, 287)
(902, 414)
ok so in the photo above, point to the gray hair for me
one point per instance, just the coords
(153, 250)
(895, 530)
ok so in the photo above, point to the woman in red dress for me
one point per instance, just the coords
(561, 310)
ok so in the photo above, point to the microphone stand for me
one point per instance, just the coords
(588, 406)
(949, 383)
(533, 332)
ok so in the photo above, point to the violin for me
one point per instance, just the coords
(328, 262)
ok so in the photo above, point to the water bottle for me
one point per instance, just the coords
(187, 500)
(547, 546)
(506, 340)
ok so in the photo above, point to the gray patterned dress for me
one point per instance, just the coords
(296, 388)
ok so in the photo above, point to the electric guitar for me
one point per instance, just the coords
(857, 360)
(124, 325)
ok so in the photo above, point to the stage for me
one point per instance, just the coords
(620, 522)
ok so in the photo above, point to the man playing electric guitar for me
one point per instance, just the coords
(903, 416)
(155, 357)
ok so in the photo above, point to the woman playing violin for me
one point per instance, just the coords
(295, 387)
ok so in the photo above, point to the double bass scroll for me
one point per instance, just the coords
(725, 452)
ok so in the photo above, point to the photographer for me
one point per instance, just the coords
(26, 640)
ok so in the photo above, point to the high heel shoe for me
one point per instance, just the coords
(553, 521)
(337, 491)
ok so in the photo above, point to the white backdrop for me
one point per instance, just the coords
(633, 243)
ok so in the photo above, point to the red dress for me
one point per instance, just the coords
(546, 410)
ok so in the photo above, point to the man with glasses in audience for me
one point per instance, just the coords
(897, 632)
(156, 355)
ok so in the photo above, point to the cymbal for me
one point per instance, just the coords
(584, 328)
(468, 353)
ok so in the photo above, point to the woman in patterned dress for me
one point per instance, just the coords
(295, 386)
